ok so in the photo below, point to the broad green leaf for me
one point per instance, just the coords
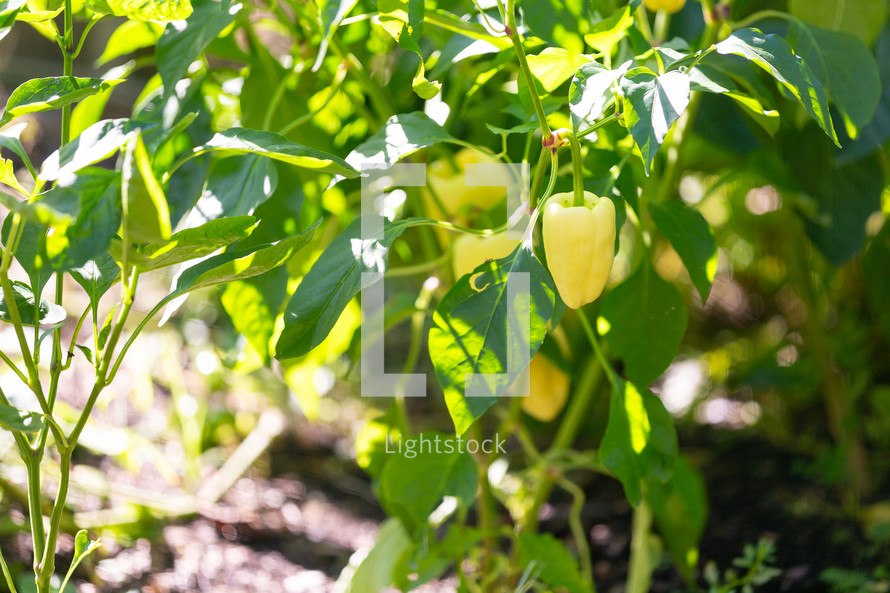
(551, 562)
(9, 10)
(372, 441)
(14, 419)
(46, 94)
(710, 79)
(147, 217)
(517, 129)
(643, 320)
(844, 65)
(333, 281)
(161, 11)
(692, 238)
(96, 143)
(183, 41)
(845, 196)
(37, 17)
(557, 22)
(129, 37)
(96, 277)
(874, 268)
(680, 506)
(863, 18)
(472, 30)
(85, 213)
(591, 92)
(653, 103)
(640, 441)
(31, 251)
(253, 305)
(469, 333)
(401, 136)
(430, 467)
(189, 244)
(240, 184)
(331, 12)
(231, 266)
(10, 139)
(403, 20)
(270, 145)
(554, 66)
(30, 311)
(89, 110)
(773, 54)
(607, 33)
(375, 571)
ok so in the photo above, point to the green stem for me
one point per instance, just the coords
(577, 174)
(603, 122)
(13, 366)
(640, 564)
(334, 89)
(565, 436)
(516, 39)
(35, 509)
(380, 100)
(538, 179)
(577, 529)
(762, 15)
(48, 564)
(6, 575)
(594, 342)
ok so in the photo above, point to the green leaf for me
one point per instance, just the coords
(401, 136)
(129, 37)
(607, 33)
(90, 109)
(46, 94)
(270, 145)
(692, 238)
(96, 277)
(551, 562)
(85, 213)
(557, 22)
(554, 66)
(643, 319)
(147, 216)
(334, 279)
(10, 139)
(9, 10)
(591, 93)
(403, 20)
(427, 468)
(162, 11)
(189, 244)
(709, 79)
(182, 43)
(653, 104)
(863, 18)
(46, 313)
(469, 333)
(31, 252)
(844, 65)
(240, 184)
(17, 420)
(640, 441)
(228, 267)
(7, 176)
(375, 572)
(96, 143)
(846, 196)
(680, 506)
(332, 12)
(253, 305)
(773, 54)
(83, 547)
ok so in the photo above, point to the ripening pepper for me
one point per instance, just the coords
(471, 251)
(458, 198)
(580, 245)
(670, 6)
(549, 387)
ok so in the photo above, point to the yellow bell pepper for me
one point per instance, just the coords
(580, 245)
(670, 6)
(471, 251)
(549, 389)
(457, 197)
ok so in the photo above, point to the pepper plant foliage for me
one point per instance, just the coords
(246, 146)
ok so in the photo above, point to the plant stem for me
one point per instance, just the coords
(565, 436)
(591, 337)
(6, 575)
(516, 39)
(602, 123)
(577, 529)
(577, 175)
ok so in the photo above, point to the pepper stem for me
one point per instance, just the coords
(577, 178)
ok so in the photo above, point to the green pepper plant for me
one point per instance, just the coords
(228, 167)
